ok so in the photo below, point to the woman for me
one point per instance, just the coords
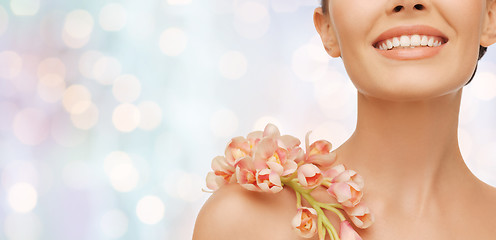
(409, 60)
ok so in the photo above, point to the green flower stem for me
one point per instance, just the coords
(322, 218)
(321, 231)
(298, 199)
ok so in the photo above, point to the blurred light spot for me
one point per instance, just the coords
(77, 175)
(126, 117)
(251, 19)
(113, 17)
(114, 223)
(126, 88)
(124, 177)
(51, 88)
(8, 111)
(151, 115)
(485, 87)
(150, 209)
(51, 66)
(465, 142)
(78, 24)
(86, 119)
(484, 163)
(224, 123)
(333, 95)
(87, 63)
(4, 20)
(106, 69)
(115, 158)
(76, 99)
(333, 132)
(189, 187)
(178, 2)
(22, 197)
(25, 7)
(233, 65)
(173, 41)
(74, 42)
(26, 226)
(310, 62)
(31, 126)
(263, 121)
(10, 64)
(285, 5)
(19, 171)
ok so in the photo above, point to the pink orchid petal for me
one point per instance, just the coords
(220, 163)
(324, 160)
(309, 175)
(214, 182)
(341, 191)
(288, 141)
(289, 168)
(276, 167)
(265, 149)
(334, 171)
(271, 131)
(305, 222)
(347, 232)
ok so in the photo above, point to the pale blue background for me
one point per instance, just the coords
(228, 67)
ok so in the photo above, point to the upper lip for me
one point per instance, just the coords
(411, 30)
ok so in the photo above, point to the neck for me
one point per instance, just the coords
(406, 150)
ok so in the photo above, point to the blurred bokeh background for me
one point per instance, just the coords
(111, 110)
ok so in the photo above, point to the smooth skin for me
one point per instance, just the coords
(405, 144)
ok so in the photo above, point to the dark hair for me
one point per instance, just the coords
(482, 50)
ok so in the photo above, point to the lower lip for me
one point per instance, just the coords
(410, 53)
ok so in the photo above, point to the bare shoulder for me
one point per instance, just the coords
(235, 211)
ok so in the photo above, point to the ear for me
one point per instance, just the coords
(324, 28)
(488, 36)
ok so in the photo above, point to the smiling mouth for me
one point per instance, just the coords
(410, 41)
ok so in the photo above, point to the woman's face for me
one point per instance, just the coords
(405, 50)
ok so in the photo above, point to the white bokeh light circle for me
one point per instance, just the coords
(114, 223)
(4, 20)
(263, 121)
(52, 66)
(22, 197)
(51, 88)
(78, 24)
(150, 209)
(233, 65)
(23, 226)
(76, 99)
(126, 117)
(124, 177)
(31, 126)
(224, 123)
(106, 69)
(126, 88)
(151, 115)
(173, 41)
(86, 119)
(113, 17)
(115, 158)
(484, 86)
(310, 62)
(87, 63)
(10, 64)
(25, 7)
(251, 19)
(74, 42)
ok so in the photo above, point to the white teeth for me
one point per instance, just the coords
(410, 41)
(431, 42)
(396, 42)
(405, 41)
(389, 44)
(424, 41)
(415, 41)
